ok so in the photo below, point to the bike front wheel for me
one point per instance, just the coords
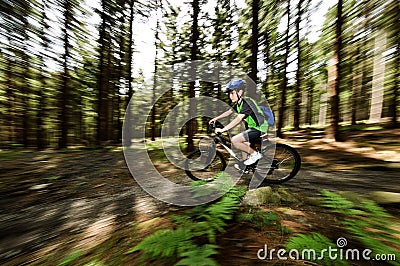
(279, 164)
(204, 164)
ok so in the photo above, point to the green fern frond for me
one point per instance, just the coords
(71, 259)
(198, 183)
(339, 204)
(245, 217)
(199, 256)
(237, 192)
(368, 222)
(204, 228)
(164, 243)
(204, 220)
(315, 242)
(260, 218)
(374, 209)
(195, 213)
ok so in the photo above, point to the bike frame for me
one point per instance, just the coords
(269, 164)
(221, 140)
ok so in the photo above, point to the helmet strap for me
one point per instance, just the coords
(240, 98)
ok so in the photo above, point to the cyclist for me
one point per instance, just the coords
(249, 112)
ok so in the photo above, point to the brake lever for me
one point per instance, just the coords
(213, 127)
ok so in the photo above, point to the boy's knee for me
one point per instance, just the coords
(235, 139)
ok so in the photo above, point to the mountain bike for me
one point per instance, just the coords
(280, 162)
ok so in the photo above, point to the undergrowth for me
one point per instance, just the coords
(312, 247)
(260, 219)
(192, 240)
(369, 223)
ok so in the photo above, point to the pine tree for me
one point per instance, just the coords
(391, 15)
(336, 78)
(155, 74)
(223, 32)
(284, 79)
(64, 96)
(194, 55)
(45, 43)
(249, 41)
(15, 26)
(297, 87)
(270, 17)
(255, 9)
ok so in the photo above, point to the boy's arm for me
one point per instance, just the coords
(224, 114)
(233, 123)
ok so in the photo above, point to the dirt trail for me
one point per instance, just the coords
(51, 201)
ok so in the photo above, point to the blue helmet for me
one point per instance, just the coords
(235, 85)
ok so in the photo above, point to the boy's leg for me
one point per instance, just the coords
(241, 142)
(245, 154)
(253, 136)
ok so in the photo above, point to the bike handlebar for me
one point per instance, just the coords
(214, 125)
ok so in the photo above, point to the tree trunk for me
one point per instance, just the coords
(357, 83)
(297, 95)
(25, 88)
(334, 77)
(193, 57)
(254, 46)
(10, 101)
(393, 102)
(284, 80)
(323, 109)
(378, 78)
(153, 111)
(40, 133)
(310, 104)
(101, 80)
(395, 90)
(127, 141)
(64, 95)
(108, 96)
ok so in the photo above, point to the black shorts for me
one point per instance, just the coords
(252, 135)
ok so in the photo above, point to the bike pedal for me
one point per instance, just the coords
(243, 171)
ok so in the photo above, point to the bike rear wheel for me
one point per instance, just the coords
(204, 164)
(279, 164)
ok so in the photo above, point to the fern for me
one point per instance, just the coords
(70, 259)
(164, 243)
(201, 221)
(368, 222)
(260, 218)
(315, 242)
(212, 219)
(339, 204)
(199, 256)
(223, 185)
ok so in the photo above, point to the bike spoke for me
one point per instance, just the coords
(284, 166)
(204, 165)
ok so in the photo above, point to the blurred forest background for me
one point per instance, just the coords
(66, 78)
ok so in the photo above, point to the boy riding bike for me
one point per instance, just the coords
(249, 112)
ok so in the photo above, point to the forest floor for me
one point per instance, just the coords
(82, 206)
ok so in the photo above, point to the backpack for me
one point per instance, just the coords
(269, 115)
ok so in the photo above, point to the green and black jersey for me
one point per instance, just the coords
(254, 116)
